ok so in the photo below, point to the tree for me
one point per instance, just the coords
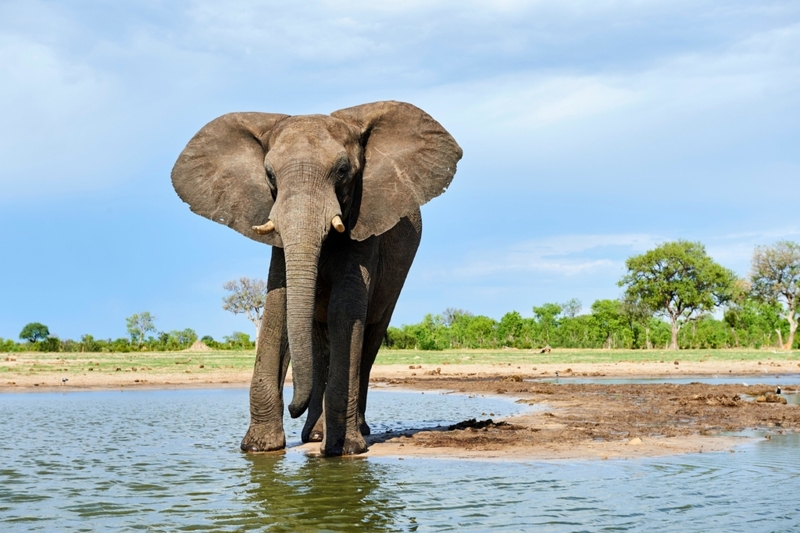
(139, 325)
(571, 308)
(34, 332)
(775, 277)
(608, 315)
(546, 317)
(677, 280)
(509, 330)
(248, 296)
(50, 344)
(451, 315)
(238, 340)
(638, 313)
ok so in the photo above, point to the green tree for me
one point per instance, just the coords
(753, 322)
(88, 344)
(609, 319)
(775, 278)
(457, 321)
(34, 332)
(679, 281)
(139, 325)
(238, 340)
(547, 318)
(509, 331)
(639, 316)
(50, 344)
(481, 332)
(248, 297)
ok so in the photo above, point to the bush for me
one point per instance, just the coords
(50, 344)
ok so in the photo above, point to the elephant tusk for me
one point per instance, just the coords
(265, 229)
(337, 224)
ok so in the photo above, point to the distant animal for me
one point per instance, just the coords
(64, 380)
(778, 390)
(546, 349)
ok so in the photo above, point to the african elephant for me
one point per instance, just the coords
(288, 181)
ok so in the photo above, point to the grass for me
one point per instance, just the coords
(560, 356)
(206, 362)
(150, 362)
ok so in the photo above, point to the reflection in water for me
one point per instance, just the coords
(169, 461)
(315, 494)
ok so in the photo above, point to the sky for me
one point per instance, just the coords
(592, 131)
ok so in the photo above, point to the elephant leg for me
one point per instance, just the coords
(397, 250)
(313, 428)
(372, 343)
(272, 361)
(346, 321)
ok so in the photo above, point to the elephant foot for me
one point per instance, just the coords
(312, 432)
(315, 435)
(349, 445)
(260, 438)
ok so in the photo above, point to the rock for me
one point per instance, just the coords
(771, 397)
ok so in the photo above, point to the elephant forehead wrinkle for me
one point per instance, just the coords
(302, 170)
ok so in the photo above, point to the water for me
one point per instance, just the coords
(169, 461)
(769, 380)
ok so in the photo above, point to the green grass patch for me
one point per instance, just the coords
(151, 362)
(203, 362)
(561, 356)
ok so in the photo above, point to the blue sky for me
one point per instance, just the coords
(591, 131)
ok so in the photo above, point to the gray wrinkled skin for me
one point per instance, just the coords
(330, 295)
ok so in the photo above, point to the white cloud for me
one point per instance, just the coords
(736, 250)
(667, 88)
(560, 256)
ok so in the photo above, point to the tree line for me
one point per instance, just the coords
(36, 336)
(671, 295)
(247, 297)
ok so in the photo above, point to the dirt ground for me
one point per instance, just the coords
(598, 421)
(566, 420)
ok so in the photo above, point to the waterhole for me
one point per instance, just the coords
(169, 461)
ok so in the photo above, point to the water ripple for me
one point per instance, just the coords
(168, 461)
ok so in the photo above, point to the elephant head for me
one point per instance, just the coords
(288, 180)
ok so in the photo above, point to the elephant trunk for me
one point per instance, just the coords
(301, 281)
(303, 218)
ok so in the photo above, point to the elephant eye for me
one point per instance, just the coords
(270, 179)
(342, 172)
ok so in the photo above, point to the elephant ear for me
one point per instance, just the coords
(409, 158)
(221, 175)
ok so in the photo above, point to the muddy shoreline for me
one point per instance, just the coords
(567, 420)
(599, 421)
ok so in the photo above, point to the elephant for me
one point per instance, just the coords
(338, 198)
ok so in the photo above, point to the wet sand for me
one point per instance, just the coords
(566, 420)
